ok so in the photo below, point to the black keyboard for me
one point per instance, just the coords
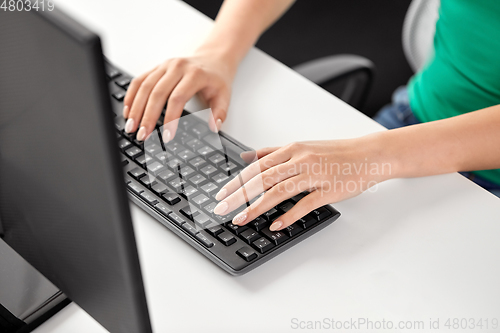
(177, 182)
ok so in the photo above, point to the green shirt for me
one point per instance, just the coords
(464, 73)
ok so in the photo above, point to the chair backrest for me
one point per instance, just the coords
(418, 31)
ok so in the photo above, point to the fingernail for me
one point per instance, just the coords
(276, 225)
(141, 135)
(221, 208)
(166, 136)
(218, 124)
(240, 218)
(125, 111)
(221, 195)
(129, 125)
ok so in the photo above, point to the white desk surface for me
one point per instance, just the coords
(414, 250)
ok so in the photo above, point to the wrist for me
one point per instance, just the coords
(380, 150)
(221, 54)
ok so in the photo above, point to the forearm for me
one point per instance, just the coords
(464, 143)
(239, 24)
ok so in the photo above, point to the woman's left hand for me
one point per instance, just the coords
(330, 170)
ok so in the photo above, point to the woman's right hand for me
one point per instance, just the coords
(178, 80)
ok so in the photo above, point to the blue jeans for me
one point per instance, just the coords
(399, 114)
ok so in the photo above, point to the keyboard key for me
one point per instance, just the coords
(223, 218)
(197, 180)
(186, 171)
(200, 199)
(247, 253)
(209, 187)
(143, 160)
(164, 156)
(171, 198)
(137, 173)
(152, 148)
(226, 238)
(236, 229)
(286, 206)
(217, 158)
(124, 144)
(189, 228)
(183, 137)
(277, 237)
(228, 167)
(307, 221)
(150, 198)
(189, 191)
(174, 163)
(293, 229)
(220, 178)
(250, 236)
(271, 214)
(186, 155)
(186, 122)
(259, 223)
(208, 170)
(112, 73)
(123, 160)
(135, 187)
(177, 184)
(133, 152)
(205, 150)
(214, 140)
(148, 181)
(194, 144)
(204, 239)
(298, 197)
(263, 245)
(176, 218)
(166, 175)
(123, 82)
(320, 213)
(162, 209)
(174, 147)
(120, 124)
(199, 130)
(215, 230)
(119, 96)
(189, 212)
(210, 207)
(155, 168)
(159, 188)
(198, 163)
(201, 219)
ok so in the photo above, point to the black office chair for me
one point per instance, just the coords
(358, 72)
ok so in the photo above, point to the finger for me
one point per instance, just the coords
(132, 91)
(306, 205)
(277, 157)
(219, 105)
(270, 199)
(140, 101)
(256, 186)
(158, 98)
(252, 156)
(185, 89)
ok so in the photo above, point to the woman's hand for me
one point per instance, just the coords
(178, 80)
(330, 170)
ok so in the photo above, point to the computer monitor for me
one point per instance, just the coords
(63, 204)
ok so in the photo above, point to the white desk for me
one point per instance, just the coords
(416, 249)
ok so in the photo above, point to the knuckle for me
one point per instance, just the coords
(177, 98)
(178, 62)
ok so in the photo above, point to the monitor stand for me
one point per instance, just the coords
(27, 298)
